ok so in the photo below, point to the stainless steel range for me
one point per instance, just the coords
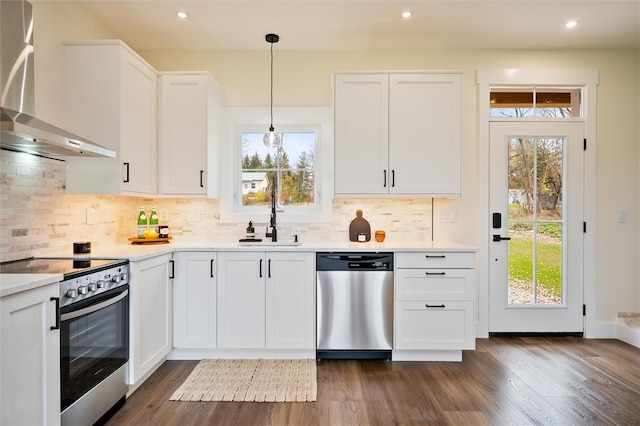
(94, 333)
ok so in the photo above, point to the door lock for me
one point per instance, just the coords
(498, 238)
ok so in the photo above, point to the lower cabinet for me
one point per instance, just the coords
(194, 300)
(266, 300)
(434, 305)
(150, 316)
(30, 358)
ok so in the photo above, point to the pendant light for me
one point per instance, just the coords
(271, 138)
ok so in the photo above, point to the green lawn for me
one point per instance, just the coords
(549, 257)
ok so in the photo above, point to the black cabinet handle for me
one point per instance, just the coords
(126, 167)
(260, 268)
(384, 182)
(435, 273)
(498, 238)
(434, 306)
(172, 274)
(269, 269)
(393, 178)
(433, 256)
(57, 326)
(201, 182)
(211, 268)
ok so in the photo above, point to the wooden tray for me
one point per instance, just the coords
(136, 240)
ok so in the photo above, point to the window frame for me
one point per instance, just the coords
(286, 119)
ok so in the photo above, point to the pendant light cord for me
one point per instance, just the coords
(271, 127)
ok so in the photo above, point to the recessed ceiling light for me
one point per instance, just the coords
(182, 15)
(406, 14)
(571, 24)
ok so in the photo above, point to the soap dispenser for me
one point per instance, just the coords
(251, 233)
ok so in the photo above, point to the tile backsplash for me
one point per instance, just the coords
(37, 217)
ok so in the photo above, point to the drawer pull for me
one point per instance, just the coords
(434, 306)
(435, 273)
(433, 256)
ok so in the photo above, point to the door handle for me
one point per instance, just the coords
(498, 238)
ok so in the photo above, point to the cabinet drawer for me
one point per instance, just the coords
(434, 284)
(438, 325)
(434, 260)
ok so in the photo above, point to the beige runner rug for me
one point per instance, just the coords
(255, 380)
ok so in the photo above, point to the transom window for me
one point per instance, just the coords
(535, 102)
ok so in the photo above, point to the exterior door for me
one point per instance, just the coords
(536, 248)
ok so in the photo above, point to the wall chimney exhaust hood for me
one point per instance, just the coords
(19, 129)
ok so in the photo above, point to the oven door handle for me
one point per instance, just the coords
(94, 308)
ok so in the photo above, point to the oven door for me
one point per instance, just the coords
(94, 341)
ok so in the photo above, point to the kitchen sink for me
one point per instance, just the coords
(270, 243)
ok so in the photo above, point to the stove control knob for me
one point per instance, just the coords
(92, 287)
(124, 276)
(82, 289)
(101, 283)
(72, 293)
(116, 278)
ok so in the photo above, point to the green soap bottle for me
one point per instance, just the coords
(154, 223)
(142, 222)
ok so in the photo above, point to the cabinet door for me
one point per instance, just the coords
(183, 134)
(194, 300)
(361, 134)
(139, 141)
(434, 325)
(290, 300)
(241, 299)
(425, 143)
(150, 317)
(30, 358)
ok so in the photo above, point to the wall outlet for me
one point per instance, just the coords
(193, 215)
(622, 215)
(447, 216)
(90, 219)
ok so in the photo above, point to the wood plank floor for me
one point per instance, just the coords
(517, 381)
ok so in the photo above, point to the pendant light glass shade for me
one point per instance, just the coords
(271, 138)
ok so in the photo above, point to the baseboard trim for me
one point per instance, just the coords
(536, 334)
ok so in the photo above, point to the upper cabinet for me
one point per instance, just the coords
(398, 133)
(188, 142)
(110, 98)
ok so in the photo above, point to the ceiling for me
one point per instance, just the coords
(370, 24)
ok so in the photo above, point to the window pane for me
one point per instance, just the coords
(287, 169)
(535, 102)
(535, 221)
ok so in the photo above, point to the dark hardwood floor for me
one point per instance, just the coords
(516, 380)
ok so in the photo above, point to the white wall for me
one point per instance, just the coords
(304, 79)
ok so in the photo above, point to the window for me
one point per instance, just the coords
(287, 169)
(536, 102)
(299, 170)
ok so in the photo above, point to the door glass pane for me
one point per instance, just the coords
(535, 221)
(535, 102)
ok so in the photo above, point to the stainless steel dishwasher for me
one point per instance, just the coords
(354, 305)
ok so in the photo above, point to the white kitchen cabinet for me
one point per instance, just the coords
(150, 317)
(30, 358)
(111, 99)
(188, 137)
(194, 299)
(434, 304)
(266, 300)
(398, 134)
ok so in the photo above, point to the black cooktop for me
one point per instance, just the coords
(68, 267)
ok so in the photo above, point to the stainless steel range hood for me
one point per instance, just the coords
(19, 129)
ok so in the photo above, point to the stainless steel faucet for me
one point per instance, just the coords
(272, 223)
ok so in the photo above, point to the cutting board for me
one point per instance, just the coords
(359, 225)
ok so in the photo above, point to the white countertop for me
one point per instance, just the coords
(16, 283)
(135, 252)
